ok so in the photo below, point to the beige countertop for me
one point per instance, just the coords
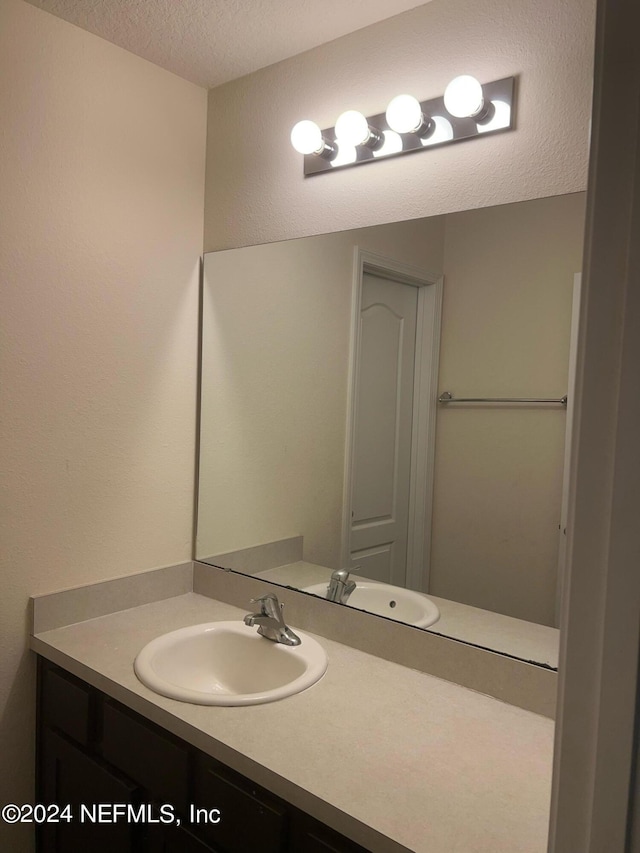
(387, 755)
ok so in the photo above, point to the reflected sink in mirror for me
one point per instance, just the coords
(404, 605)
(228, 663)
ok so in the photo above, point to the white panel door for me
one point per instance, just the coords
(381, 472)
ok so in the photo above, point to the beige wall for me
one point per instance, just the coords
(255, 188)
(506, 320)
(101, 181)
(277, 326)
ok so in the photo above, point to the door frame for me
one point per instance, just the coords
(428, 325)
(566, 475)
(595, 802)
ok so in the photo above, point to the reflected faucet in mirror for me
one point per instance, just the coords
(382, 599)
(340, 587)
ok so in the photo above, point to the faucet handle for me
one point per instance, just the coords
(340, 575)
(343, 574)
(340, 586)
(269, 604)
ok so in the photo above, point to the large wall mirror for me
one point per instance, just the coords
(324, 443)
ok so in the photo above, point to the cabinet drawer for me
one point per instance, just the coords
(147, 755)
(66, 704)
(250, 818)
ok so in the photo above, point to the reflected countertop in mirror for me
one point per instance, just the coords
(322, 362)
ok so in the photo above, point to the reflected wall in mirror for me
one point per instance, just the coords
(322, 361)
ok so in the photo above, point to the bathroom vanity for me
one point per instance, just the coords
(374, 756)
(92, 749)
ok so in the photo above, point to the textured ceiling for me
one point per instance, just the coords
(212, 41)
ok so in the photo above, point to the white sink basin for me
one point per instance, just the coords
(228, 663)
(404, 605)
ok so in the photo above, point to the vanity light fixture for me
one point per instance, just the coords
(467, 110)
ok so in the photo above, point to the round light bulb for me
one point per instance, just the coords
(404, 114)
(306, 137)
(352, 128)
(463, 97)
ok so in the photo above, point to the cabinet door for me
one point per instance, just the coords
(69, 777)
(174, 839)
(156, 760)
(66, 704)
(310, 836)
(250, 817)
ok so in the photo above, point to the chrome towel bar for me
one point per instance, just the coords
(447, 397)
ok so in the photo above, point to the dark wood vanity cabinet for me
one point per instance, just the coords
(95, 755)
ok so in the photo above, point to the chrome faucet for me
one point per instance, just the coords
(340, 587)
(271, 622)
